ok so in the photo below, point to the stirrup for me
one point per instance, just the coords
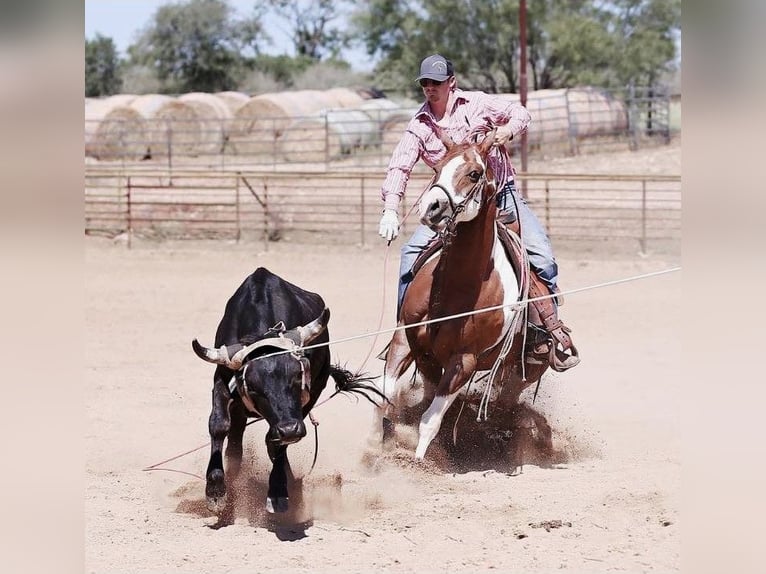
(561, 361)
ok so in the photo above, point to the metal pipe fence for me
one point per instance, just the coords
(327, 208)
(567, 122)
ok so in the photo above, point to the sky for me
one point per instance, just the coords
(121, 21)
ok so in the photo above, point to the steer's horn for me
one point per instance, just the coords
(311, 331)
(220, 356)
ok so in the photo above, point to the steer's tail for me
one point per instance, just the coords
(355, 383)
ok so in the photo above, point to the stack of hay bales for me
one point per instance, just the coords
(233, 100)
(172, 126)
(259, 125)
(213, 115)
(593, 112)
(114, 131)
(563, 114)
(328, 135)
(392, 128)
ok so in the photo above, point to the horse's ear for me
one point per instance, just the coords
(489, 141)
(446, 140)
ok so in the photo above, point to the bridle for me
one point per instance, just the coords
(458, 208)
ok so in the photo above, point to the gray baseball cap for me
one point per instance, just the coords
(435, 67)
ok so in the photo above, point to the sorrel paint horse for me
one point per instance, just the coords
(472, 272)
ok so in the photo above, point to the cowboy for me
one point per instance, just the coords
(457, 114)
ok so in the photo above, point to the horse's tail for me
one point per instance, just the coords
(355, 383)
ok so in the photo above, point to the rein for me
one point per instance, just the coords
(457, 209)
(447, 236)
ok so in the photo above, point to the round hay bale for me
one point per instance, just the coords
(213, 115)
(550, 119)
(327, 136)
(113, 130)
(392, 129)
(233, 100)
(172, 125)
(380, 110)
(343, 98)
(258, 124)
(594, 112)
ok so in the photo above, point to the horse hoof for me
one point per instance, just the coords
(216, 504)
(277, 504)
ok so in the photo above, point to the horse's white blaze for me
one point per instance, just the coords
(510, 285)
(431, 421)
(446, 186)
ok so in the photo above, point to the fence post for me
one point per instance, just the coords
(265, 214)
(326, 142)
(548, 206)
(643, 217)
(129, 215)
(362, 209)
(170, 150)
(633, 117)
(239, 217)
(572, 128)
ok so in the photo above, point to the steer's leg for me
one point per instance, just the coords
(218, 426)
(277, 499)
(238, 417)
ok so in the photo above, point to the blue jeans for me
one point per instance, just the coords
(533, 236)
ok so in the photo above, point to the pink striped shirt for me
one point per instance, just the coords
(467, 111)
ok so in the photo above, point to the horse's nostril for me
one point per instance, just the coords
(433, 209)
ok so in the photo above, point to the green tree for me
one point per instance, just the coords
(314, 25)
(645, 31)
(102, 67)
(570, 42)
(198, 45)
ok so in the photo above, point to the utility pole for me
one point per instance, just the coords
(523, 86)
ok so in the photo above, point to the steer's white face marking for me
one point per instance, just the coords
(450, 190)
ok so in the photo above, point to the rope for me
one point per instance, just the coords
(478, 311)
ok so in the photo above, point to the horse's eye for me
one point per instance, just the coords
(474, 176)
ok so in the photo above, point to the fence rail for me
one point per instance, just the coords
(346, 207)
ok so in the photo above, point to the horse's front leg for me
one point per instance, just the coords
(398, 360)
(457, 373)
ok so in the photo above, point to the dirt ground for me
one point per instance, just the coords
(611, 504)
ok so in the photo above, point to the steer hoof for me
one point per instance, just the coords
(216, 504)
(215, 491)
(277, 504)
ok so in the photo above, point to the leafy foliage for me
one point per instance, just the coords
(197, 46)
(313, 32)
(570, 42)
(102, 67)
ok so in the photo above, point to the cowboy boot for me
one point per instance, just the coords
(562, 355)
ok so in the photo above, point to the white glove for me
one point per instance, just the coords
(503, 134)
(389, 225)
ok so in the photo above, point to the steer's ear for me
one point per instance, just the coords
(311, 331)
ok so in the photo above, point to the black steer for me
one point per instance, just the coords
(263, 373)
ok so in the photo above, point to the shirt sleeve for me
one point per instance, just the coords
(504, 111)
(404, 158)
